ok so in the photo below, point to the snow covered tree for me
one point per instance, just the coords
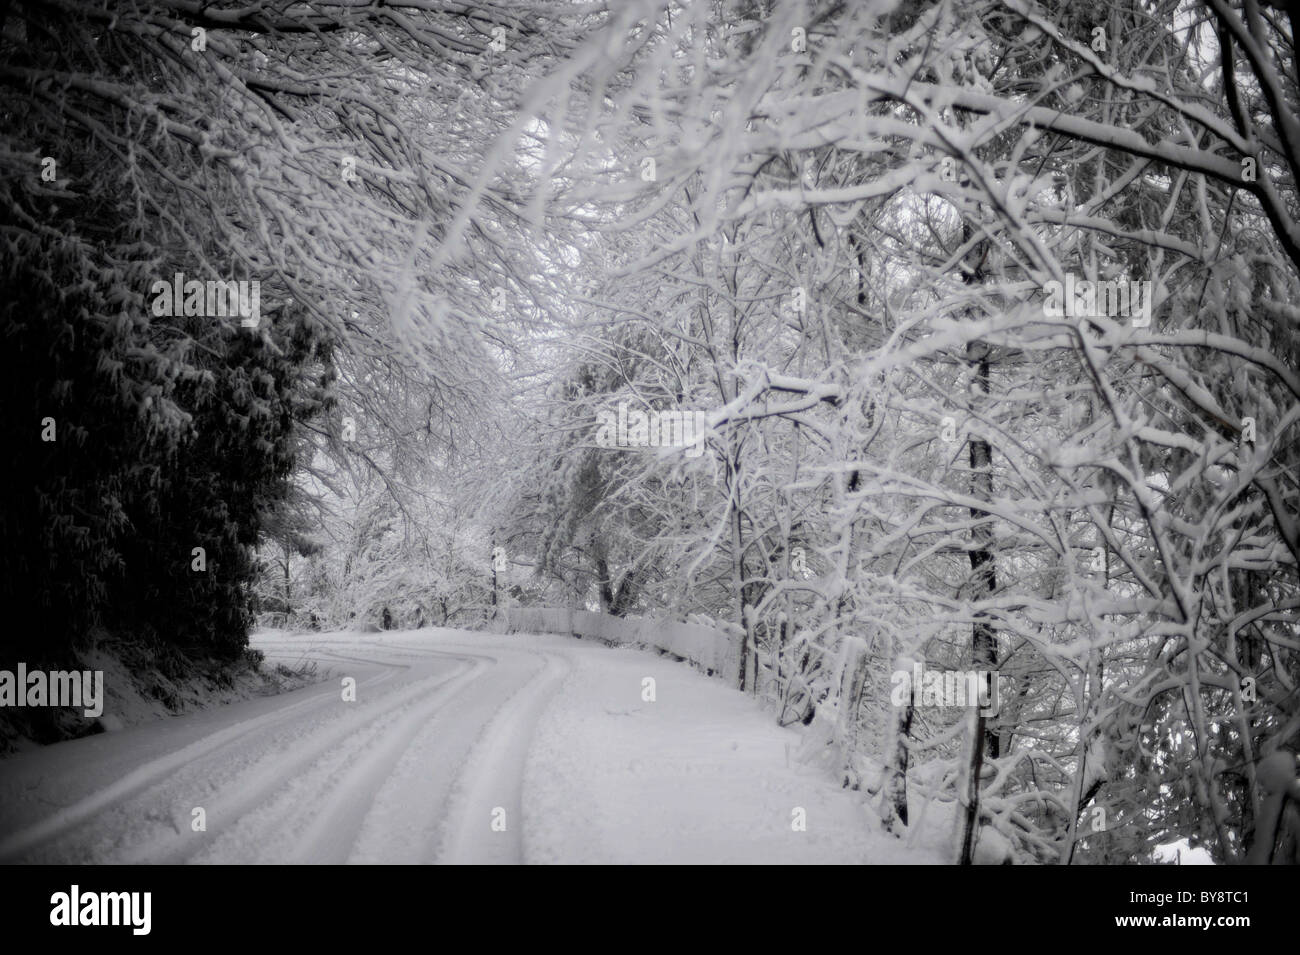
(1100, 495)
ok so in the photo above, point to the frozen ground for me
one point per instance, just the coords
(459, 747)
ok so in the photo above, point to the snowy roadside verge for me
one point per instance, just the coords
(138, 688)
(699, 774)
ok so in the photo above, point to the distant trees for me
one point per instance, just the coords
(421, 564)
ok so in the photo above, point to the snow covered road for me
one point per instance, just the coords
(459, 747)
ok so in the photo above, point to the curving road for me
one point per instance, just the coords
(458, 748)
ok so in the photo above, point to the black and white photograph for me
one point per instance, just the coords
(650, 432)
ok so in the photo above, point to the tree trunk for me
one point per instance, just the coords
(983, 577)
(970, 785)
(852, 678)
(738, 574)
(893, 797)
(984, 644)
(287, 595)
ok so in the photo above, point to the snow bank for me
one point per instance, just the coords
(701, 776)
(714, 650)
(138, 689)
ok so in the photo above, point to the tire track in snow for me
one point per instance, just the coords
(140, 778)
(351, 782)
(493, 776)
(260, 816)
(138, 793)
(412, 777)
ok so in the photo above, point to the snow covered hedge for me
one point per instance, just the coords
(713, 649)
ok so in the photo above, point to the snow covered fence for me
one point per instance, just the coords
(714, 649)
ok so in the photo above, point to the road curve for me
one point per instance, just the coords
(459, 747)
(410, 771)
